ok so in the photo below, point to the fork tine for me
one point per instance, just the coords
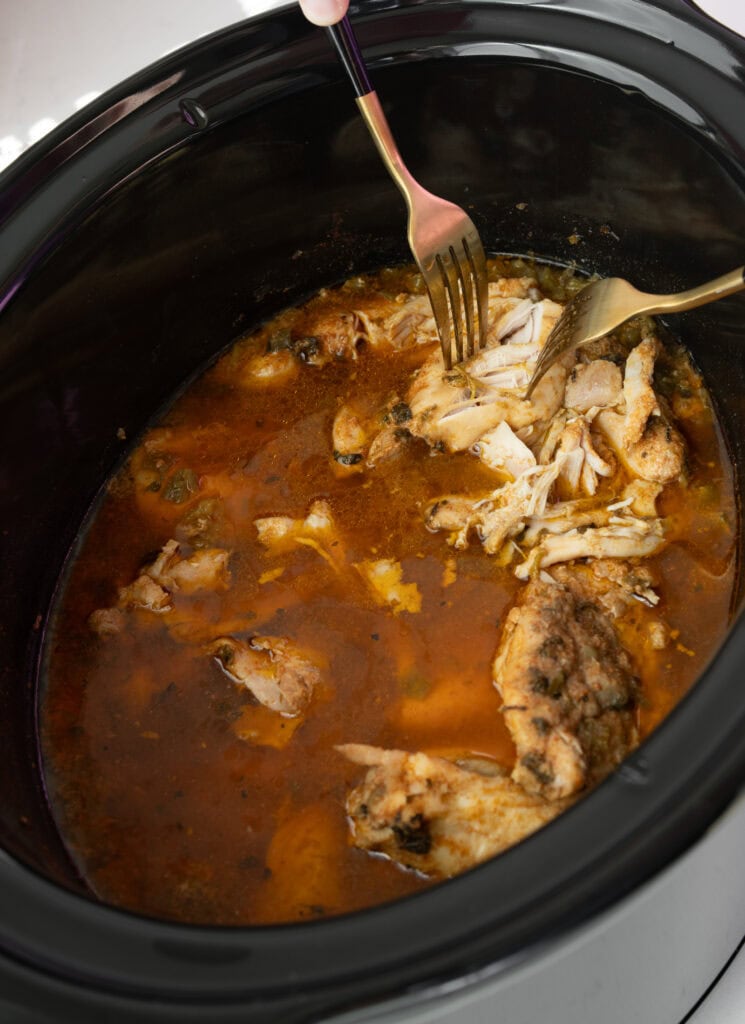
(437, 297)
(466, 275)
(477, 259)
(560, 338)
(550, 350)
(450, 272)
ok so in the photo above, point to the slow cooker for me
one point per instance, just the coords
(203, 195)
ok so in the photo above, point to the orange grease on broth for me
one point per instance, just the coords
(166, 810)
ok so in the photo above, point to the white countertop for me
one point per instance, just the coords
(57, 55)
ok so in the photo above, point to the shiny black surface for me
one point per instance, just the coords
(211, 191)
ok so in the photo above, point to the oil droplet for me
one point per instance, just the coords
(193, 113)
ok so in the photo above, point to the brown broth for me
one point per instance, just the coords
(162, 772)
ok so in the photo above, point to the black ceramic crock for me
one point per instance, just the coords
(215, 188)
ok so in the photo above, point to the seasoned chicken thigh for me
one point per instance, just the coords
(431, 815)
(568, 688)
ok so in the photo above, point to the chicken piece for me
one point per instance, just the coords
(613, 583)
(455, 513)
(152, 590)
(497, 516)
(456, 408)
(638, 390)
(403, 322)
(329, 337)
(502, 450)
(644, 440)
(349, 437)
(386, 443)
(640, 497)
(269, 369)
(595, 385)
(623, 537)
(659, 455)
(385, 581)
(432, 816)
(206, 569)
(204, 524)
(410, 323)
(145, 593)
(280, 676)
(545, 444)
(563, 516)
(568, 688)
(282, 533)
(357, 434)
(582, 465)
(514, 312)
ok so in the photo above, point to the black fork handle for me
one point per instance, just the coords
(348, 49)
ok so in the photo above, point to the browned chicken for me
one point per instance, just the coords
(568, 688)
(431, 815)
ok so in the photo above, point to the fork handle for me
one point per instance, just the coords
(727, 284)
(346, 45)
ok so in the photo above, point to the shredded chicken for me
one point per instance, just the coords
(431, 815)
(455, 409)
(279, 675)
(624, 537)
(567, 686)
(497, 516)
(582, 465)
(502, 450)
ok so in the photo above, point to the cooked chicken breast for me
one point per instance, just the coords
(496, 516)
(642, 437)
(431, 815)
(568, 688)
(278, 674)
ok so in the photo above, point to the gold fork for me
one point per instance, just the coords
(604, 305)
(442, 237)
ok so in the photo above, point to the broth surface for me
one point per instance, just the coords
(178, 794)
